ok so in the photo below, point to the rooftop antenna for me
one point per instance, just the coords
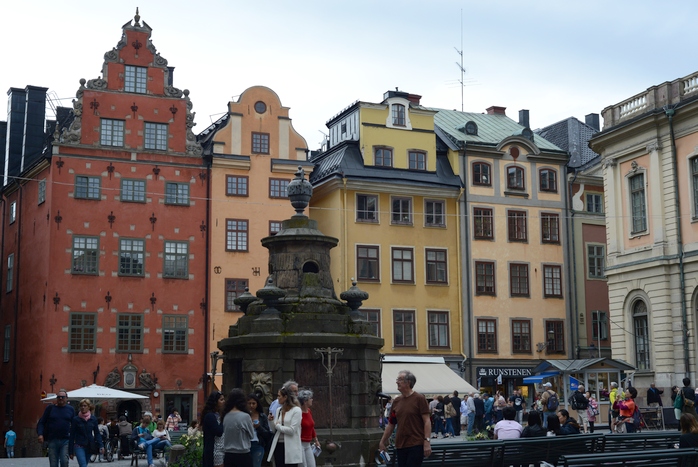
(460, 65)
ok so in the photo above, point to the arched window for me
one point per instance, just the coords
(641, 333)
(515, 178)
(398, 115)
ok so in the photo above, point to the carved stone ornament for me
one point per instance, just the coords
(633, 167)
(99, 84)
(261, 386)
(193, 147)
(653, 146)
(609, 163)
(113, 378)
(160, 61)
(72, 134)
(172, 91)
(146, 380)
(111, 56)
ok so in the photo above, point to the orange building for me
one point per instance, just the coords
(254, 153)
(108, 241)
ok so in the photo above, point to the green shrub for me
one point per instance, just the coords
(193, 455)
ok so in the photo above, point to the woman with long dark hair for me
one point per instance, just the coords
(689, 431)
(262, 430)
(238, 430)
(286, 447)
(213, 430)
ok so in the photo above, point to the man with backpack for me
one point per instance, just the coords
(580, 403)
(550, 402)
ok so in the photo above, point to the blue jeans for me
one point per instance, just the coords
(10, 452)
(439, 425)
(471, 423)
(257, 451)
(449, 426)
(82, 456)
(154, 444)
(58, 452)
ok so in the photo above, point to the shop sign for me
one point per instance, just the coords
(505, 372)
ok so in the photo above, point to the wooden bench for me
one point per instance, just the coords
(137, 453)
(656, 458)
(460, 454)
(638, 442)
(526, 451)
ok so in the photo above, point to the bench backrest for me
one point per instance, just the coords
(547, 449)
(639, 441)
(656, 458)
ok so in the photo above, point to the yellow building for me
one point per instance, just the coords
(383, 188)
(516, 309)
(254, 152)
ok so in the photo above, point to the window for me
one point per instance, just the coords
(112, 132)
(435, 213)
(594, 203)
(85, 254)
(42, 191)
(13, 212)
(483, 223)
(553, 281)
(641, 334)
(517, 226)
(436, 266)
(177, 193)
(274, 227)
(550, 228)
(515, 178)
(694, 181)
(131, 257)
(10, 272)
(596, 256)
(438, 329)
(129, 332)
(403, 265)
(176, 260)
(521, 336)
(554, 332)
(487, 335)
(398, 114)
(233, 289)
(367, 263)
(401, 212)
(236, 186)
(236, 231)
(484, 278)
(7, 344)
(637, 199)
(133, 191)
(278, 188)
(82, 332)
(599, 325)
(87, 187)
(156, 136)
(374, 320)
(135, 79)
(367, 208)
(481, 174)
(174, 334)
(383, 157)
(518, 280)
(260, 143)
(548, 180)
(417, 160)
(403, 325)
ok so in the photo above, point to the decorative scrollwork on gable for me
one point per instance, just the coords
(111, 56)
(172, 91)
(193, 147)
(99, 84)
(160, 61)
(72, 134)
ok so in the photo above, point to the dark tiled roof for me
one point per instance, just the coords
(573, 136)
(346, 160)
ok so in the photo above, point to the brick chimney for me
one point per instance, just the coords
(494, 110)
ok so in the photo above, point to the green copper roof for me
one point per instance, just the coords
(491, 129)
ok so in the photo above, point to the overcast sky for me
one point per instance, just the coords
(555, 58)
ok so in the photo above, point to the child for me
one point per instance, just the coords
(10, 438)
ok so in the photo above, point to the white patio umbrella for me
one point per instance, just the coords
(95, 392)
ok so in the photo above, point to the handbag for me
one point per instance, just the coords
(687, 403)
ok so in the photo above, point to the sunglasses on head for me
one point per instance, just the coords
(60, 397)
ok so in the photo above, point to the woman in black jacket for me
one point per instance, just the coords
(213, 430)
(84, 433)
(535, 426)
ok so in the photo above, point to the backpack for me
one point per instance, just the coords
(553, 402)
(572, 401)
(637, 419)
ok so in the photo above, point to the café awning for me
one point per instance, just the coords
(539, 378)
(434, 377)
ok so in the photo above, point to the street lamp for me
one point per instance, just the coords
(215, 356)
(543, 345)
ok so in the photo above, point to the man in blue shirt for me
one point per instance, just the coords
(10, 438)
(54, 428)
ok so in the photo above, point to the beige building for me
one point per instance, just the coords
(649, 146)
(254, 152)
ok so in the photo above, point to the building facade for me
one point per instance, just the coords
(105, 247)
(254, 152)
(383, 189)
(650, 161)
(514, 238)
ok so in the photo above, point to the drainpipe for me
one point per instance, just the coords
(460, 278)
(15, 350)
(573, 277)
(207, 278)
(467, 322)
(344, 231)
(670, 112)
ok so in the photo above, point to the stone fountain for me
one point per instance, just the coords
(296, 325)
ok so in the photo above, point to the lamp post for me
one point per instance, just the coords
(215, 356)
(329, 361)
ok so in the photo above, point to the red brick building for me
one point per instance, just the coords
(104, 247)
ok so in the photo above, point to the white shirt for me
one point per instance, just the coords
(508, 429)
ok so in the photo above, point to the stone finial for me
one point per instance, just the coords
(137, 18)
(299, 192)
(354, 298)
(270, 295)
(244, 300)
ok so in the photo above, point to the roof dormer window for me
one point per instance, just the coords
(398, 115)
